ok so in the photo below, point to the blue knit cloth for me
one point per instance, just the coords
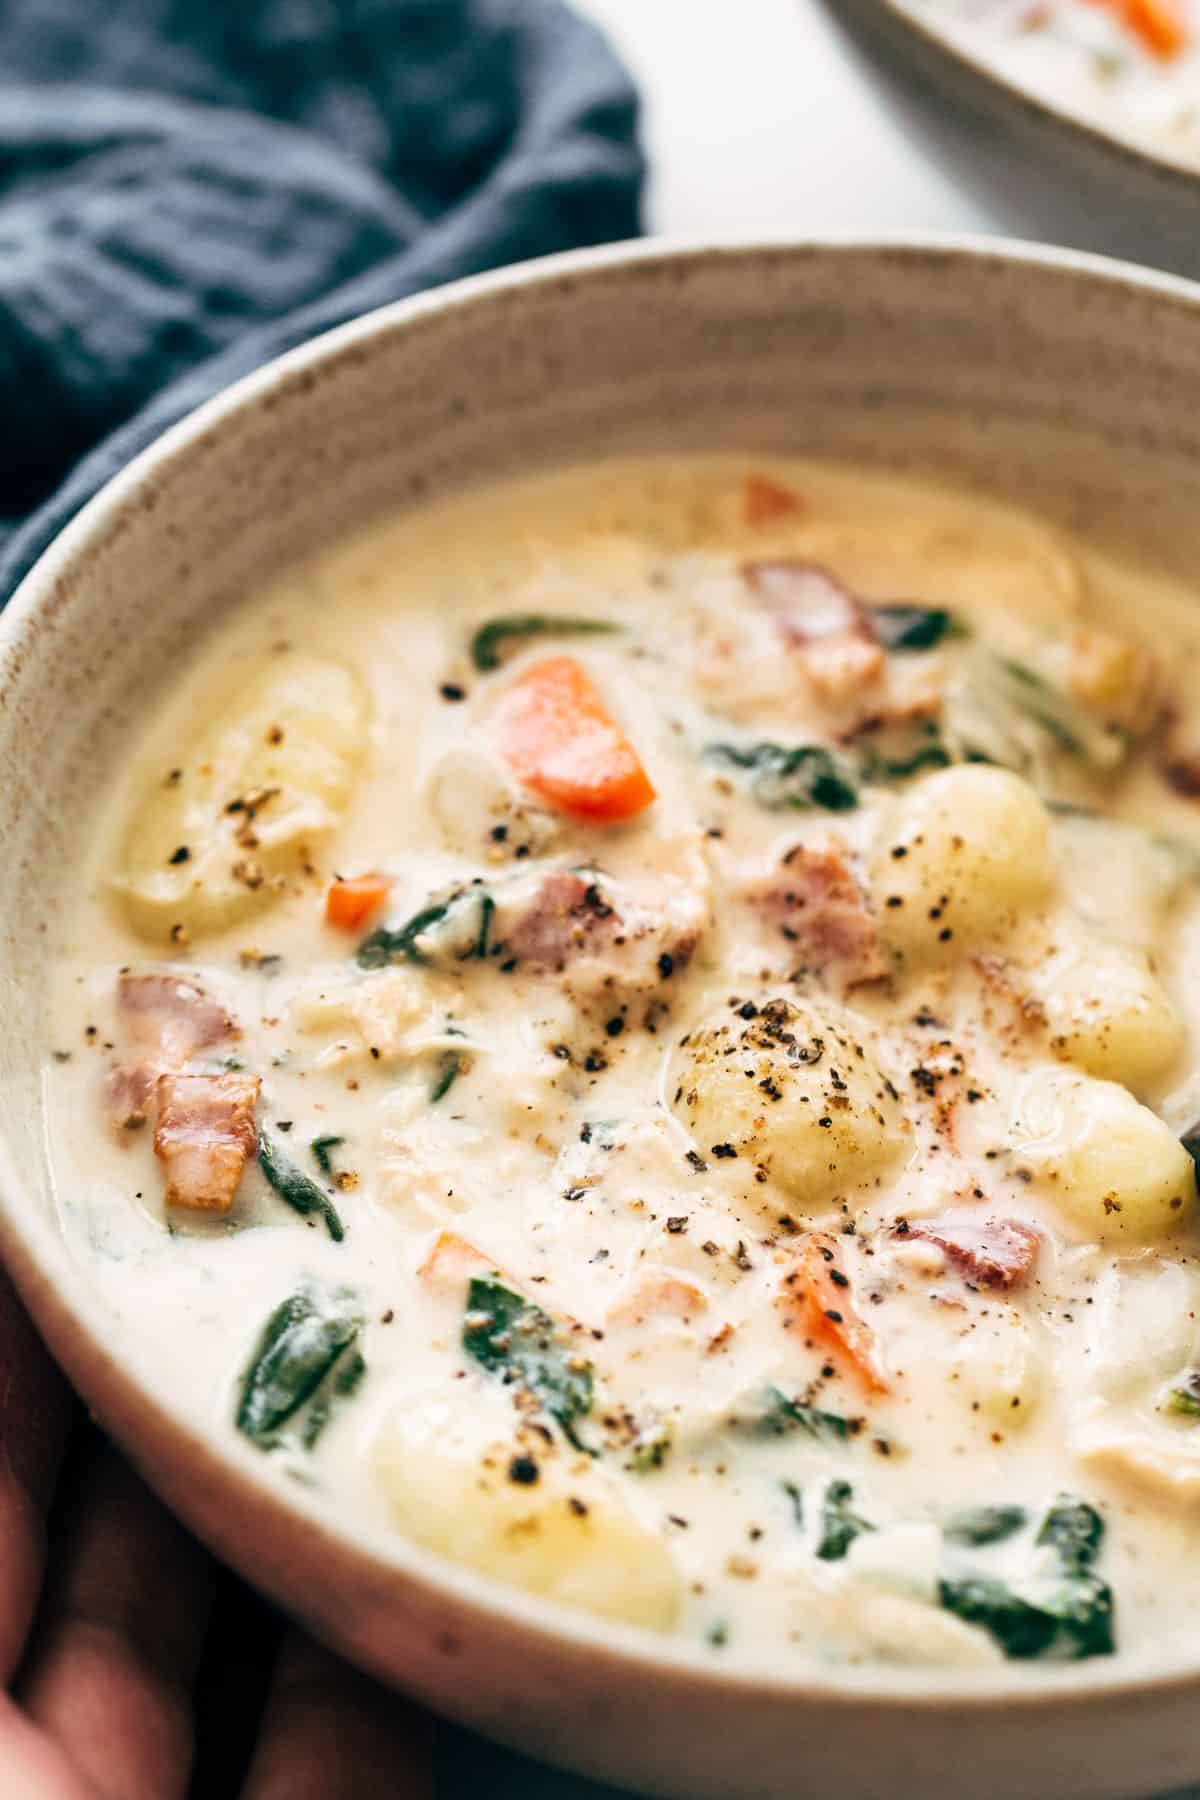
(189, 187)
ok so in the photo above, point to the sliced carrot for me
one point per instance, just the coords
(349, 904)
(1159, 23)
(452, 1262)
(659, 1295)
(820, 1289)
(764, 501)
(563, 742)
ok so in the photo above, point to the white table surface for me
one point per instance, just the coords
(759, 117)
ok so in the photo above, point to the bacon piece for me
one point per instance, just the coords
(998, 1253)
(807, 602)
(631, 941)
(568, 914)
(169, 1019)
(818, 905)
(204, 1136)
(831, 631)
(129, 1094)
(163, 1020)
(818, 1290)
(764, 501)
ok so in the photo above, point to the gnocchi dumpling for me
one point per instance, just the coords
(1111, 1166)
(265, 778)
(774, 1086)
(961, 854)
(1107, 1013)
(568, 1536)
(997, 1369)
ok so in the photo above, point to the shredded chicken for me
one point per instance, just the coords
(204, 1136)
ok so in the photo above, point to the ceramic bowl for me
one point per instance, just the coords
(1054, 380)
(1038, 168)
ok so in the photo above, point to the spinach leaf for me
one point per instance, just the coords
(984, 1524)
(1059, 716)
(1184, 1398)
(491, 637)
(781, 1415)
(347, 1375)
(294, 1186)
(1067, 1616)
(840, 1524)
(875, 766)
(808, 775)
(463, 935)
(1074, 1530)
(511, 1337)
(447, 1076)
(321, 1148)
(1064, 1612)
(301, 1345)
(914, 627)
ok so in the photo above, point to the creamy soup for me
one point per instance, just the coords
(1130, 66)
(638, 1032)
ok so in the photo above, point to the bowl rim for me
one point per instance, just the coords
(1068, 125)
(51, 1278)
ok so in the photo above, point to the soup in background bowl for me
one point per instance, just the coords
(601, 1092)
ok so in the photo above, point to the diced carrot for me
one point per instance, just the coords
(1159, 24)
(452, 1262)
(764, 501)
(820, 1289)
(562, 741)
(659, 1295)
(349, 904)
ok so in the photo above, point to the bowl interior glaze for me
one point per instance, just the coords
(1061, 382)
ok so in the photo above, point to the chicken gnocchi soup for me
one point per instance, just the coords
(637, 1032)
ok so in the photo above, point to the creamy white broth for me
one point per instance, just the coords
(1096, 60)
(594, 1156)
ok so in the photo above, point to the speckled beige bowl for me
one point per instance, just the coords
(1044, 169)
(1067, 383)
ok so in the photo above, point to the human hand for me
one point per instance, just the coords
(105, 1609)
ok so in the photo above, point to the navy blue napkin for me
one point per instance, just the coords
(189, 187)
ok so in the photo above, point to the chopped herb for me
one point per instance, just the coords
(295, 1187)
(386, 946)
(717, 1635)
(808, 775)
(448, 1075)
(489, 639)
(510, 1336)
(914, 627)
(306, 1354)
(321, 1148)
(780, 1415)
(1191, 1142)
(984, 1524)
